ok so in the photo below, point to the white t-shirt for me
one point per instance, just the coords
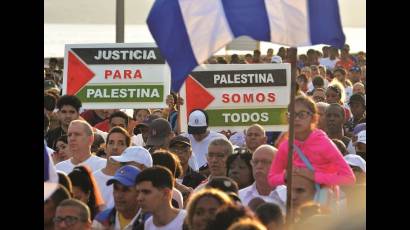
(175, 224)
(137, 140)
(106, 191)
(277, 196)
(200, 149)
(330, 64)
(93, 162)
(177, 196)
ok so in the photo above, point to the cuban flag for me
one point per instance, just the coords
(50, 176)
(188, 32)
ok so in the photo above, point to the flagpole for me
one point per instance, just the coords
(292, 53)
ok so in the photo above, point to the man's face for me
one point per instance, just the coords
(118, 121)
(72, 219)
(261, 162)
(67, 113)
(357, 109)
(183, 152)
(78, 140)
(334, 118)
(255, 137)
(49, 212)
(217, 160)
(149, 197)
(200, 137)
(141, 115)
(116, 144)
(339, 76)
(125, 198)
(303, 190)
(355, 76)
(270, 52)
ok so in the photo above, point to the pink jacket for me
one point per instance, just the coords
(328, 163)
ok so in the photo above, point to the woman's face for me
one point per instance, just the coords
(332, 96)
(303, 118)
(80, 195)
(62, 149)
(240, 172)
(204, 212)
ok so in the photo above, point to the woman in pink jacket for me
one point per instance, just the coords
(329, 166)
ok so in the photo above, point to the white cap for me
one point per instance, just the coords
(136, 154)
(276, 59)
(356, 160)
(361, 137)
(197, 122)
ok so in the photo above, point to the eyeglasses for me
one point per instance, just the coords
(301, 115)
(68, 220)
(263, 162)
(240, 151)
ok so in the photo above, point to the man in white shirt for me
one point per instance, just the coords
(261, 161)
(118, 140)
(200, 136)
(80, 138)
(154, 187)
(124, 215)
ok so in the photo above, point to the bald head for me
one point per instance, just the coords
(261, 161)
(255, 137)
(87, 127)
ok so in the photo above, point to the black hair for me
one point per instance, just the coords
(60, 194)
(159, 176)
(50, 102)
(62, 138)
(223, 183)
(228, 214)
(318, 81)
(269, 212)
(119, 114)
(69, 100)
(82, 177)
(65, 181)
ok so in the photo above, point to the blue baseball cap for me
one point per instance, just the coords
(125, 175)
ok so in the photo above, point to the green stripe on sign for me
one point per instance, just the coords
(122, 93)
(245, 117)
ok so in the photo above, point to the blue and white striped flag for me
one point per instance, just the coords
(50, 176)
(188, 32)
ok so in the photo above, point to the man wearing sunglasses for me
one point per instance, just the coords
(72, 214)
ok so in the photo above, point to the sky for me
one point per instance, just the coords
(93, 21)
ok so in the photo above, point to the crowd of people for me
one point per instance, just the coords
(134, 169)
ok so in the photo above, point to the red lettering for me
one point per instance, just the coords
(225, 98)
(107, 73)
(137, 74)
(127, 73)
(237, 96)
(117, 74)
(248, 98)
(260, 97)
(271, 97)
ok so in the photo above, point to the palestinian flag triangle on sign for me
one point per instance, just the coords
(78, 74)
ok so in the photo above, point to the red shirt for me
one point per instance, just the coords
(345, 64)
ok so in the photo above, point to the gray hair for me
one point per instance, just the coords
(84, 210)
(87, 127)
(227, 145)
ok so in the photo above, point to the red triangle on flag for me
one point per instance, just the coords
(78, 74)
(197, 97)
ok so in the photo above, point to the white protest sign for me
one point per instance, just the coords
(118, 75)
